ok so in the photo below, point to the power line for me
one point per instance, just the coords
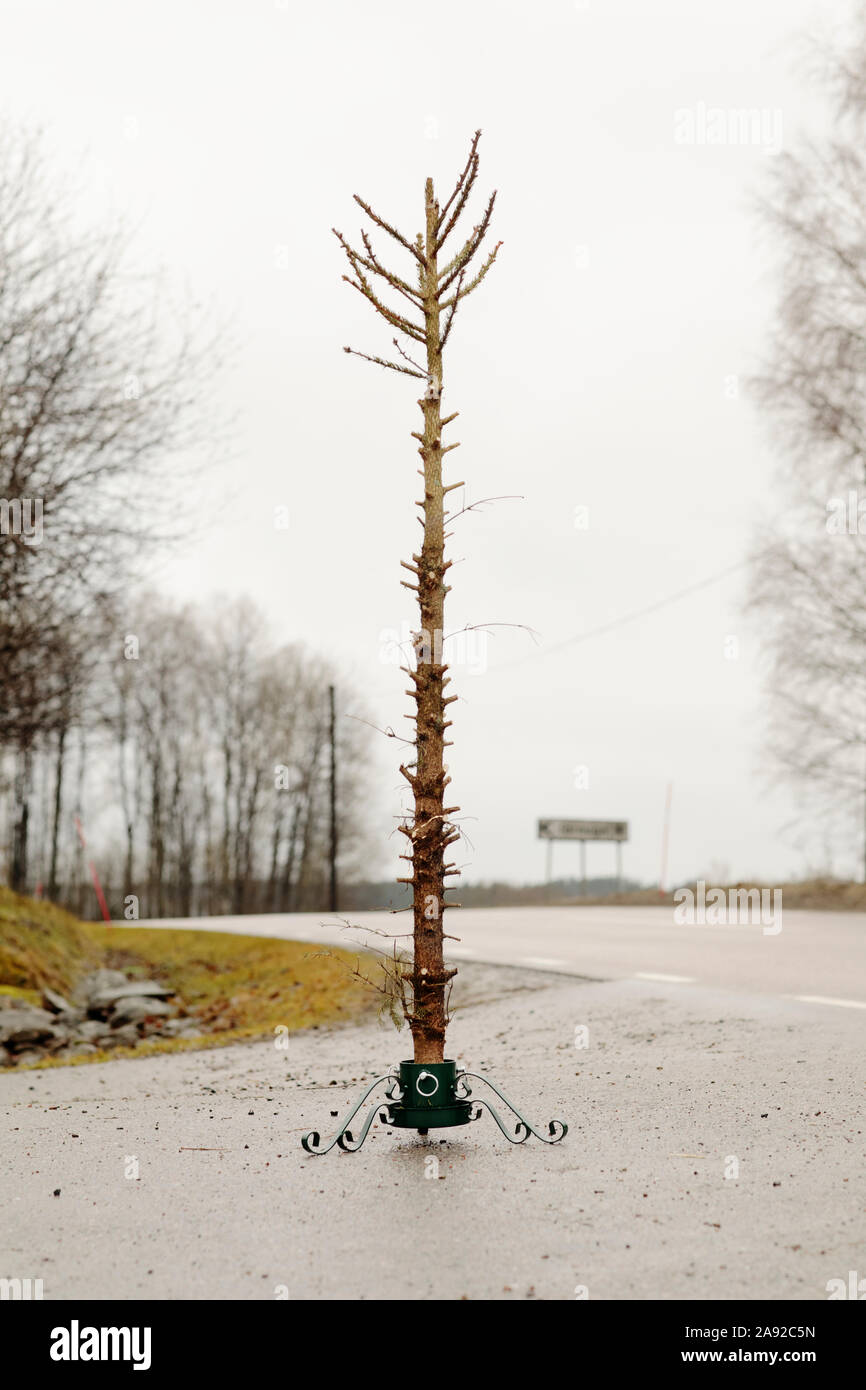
(628, 617)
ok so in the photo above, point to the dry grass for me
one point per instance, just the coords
(41, 946)
(243, 985)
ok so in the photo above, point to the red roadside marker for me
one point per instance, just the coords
(106, 915)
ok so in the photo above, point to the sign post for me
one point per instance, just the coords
(615, 831)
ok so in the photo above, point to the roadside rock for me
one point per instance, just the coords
(90, 1029)
(130, 989)
(21, 1027)
(72, 1020)
(96, 983)
(27, 1058)
(55, 1002)
(126, 1036)
(135, 1009)
(111, 1011)
(180, 1028)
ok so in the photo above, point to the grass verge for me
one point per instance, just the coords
(234, 987)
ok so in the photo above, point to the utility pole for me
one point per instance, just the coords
(332, 904)
(665, 836)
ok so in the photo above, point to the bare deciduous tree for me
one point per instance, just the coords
(809, 574)
(101, 391)
(428, 297)
(810, 596)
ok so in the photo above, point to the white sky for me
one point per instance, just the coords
(589, 370)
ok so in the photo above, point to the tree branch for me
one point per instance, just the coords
(461, 192)
(381, 362)
(386, 227)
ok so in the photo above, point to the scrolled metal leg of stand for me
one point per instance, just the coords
(557, 1129)
(520, 1126)
(346, 1141)
(312, 1140)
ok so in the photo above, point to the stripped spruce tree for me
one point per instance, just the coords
(425, 315)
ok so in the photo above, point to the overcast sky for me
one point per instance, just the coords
(599, 371)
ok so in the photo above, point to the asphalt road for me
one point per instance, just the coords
(712, 1079)
(715, 1150)
(816, 957)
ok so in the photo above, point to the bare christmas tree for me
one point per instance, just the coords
(426, 318)
(431, 1091)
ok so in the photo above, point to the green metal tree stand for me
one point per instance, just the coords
(431, 1095)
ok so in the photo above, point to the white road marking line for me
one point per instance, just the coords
(671, 979)
(542, 962)
(825, 999)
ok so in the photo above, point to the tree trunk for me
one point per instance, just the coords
(246, 836)
(58, 809)
(276, 838)
(429, 834)
(301, 893)
(20, 834)
(79, 868)
(157, 840)
(125, 802)
(286, 886)
(332, 805)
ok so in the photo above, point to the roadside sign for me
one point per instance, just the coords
(583, 830)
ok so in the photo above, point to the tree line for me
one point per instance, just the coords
(191, 766)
